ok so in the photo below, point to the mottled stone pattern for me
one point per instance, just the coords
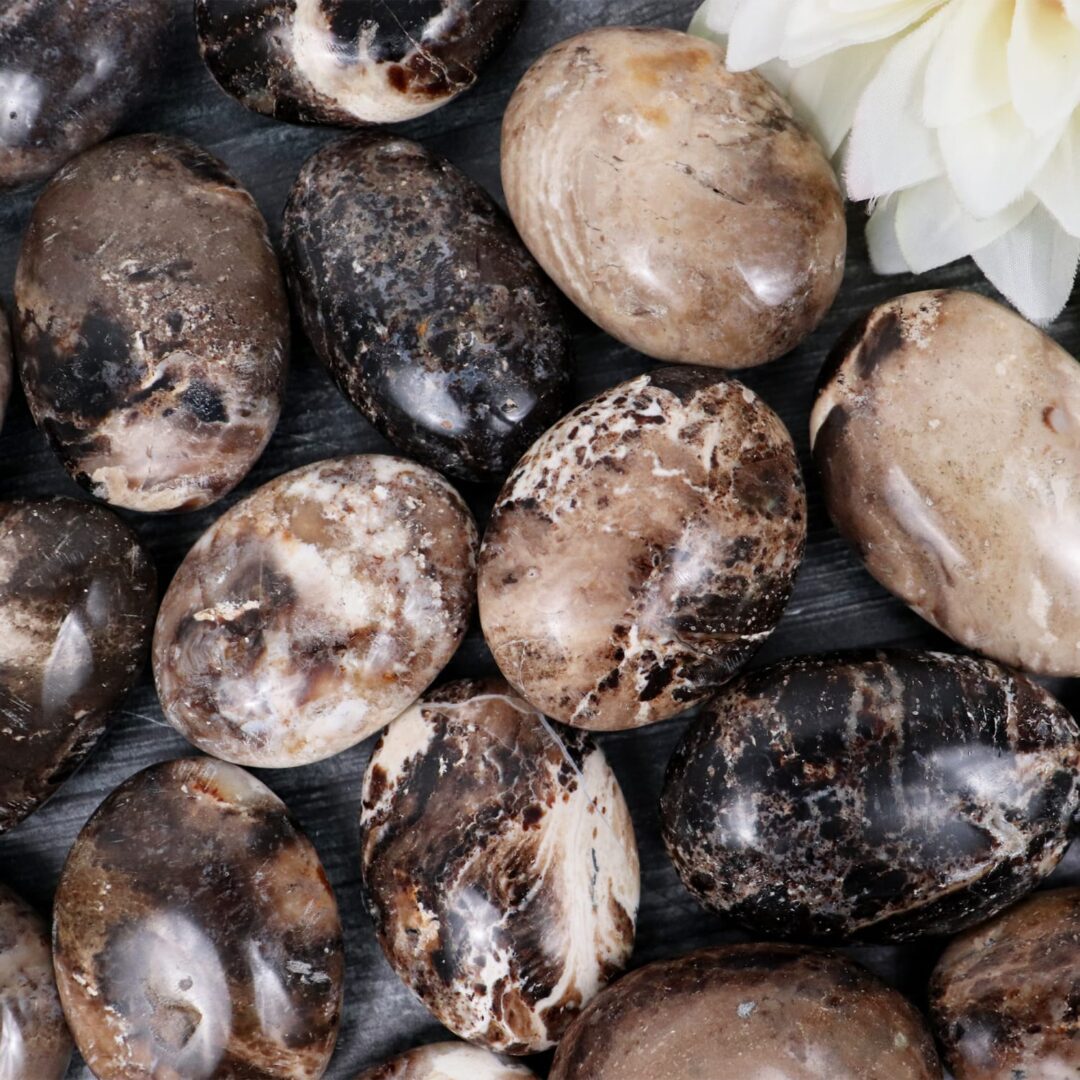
(350, 61)
(315, 610)
(448, 1061)
(430, 313)
(77, 602)
(1005, 996)
(878, 796)
(68, 74)
(5, 364)
(195, 933)
(34, 1040)
(679, 205)
(743, 1011)
(643, 549)
(947, 431)
(508, 914)
(151, 324)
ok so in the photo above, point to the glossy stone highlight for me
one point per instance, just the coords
(878, 796)
(69, 72)
(749, 1011)
(151, 324)
(34, 1040)
(195, 932)
(947, 431)
(77, 602)
(445, 333)
(315, 610)
(350, 61)
(5, 364)
(1004, 995)
(447, 1061)
(499, 864)
(678, 204)
(643, 549)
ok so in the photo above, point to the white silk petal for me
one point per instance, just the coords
(1058, 185)
(756, 33)
(812, 30)
(1044, 64)
(1072, 10)
(1034, 265)
(713, 18)
(885, 254)
(859, 5)
(968, 73)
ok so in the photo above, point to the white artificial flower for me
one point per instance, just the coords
(958, 119)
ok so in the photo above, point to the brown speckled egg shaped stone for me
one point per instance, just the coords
(1005, 996)
(34, 1040)
(69, 72)
(151, 324)
(445, 333)
(678, 204)
(499, 864)
(876, 796)
(5, 365)
(448, 1061)
(947, 432)
(643, 549)
(315, 610)
(749, 1011)
(77, 602)
(350, 61)
(195, 932)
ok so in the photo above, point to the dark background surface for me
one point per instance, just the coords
(836, 604)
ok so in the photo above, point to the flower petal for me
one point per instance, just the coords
(1033, 265)
(885, 254)
(756, 33)
(713, 18)
(1058, 185)
(1072, 10)
(1044, 64)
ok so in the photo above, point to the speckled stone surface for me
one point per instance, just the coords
(643, 549)
(6, 370)
(69, 72)
(499, 864)
(444, 332)
(1005, 996)
(350, 61)
(448, 1061)
(195, 933)
(151, 324)
(878, 796)
(315, 610)
(77, 602)
(743, 1011)
(34, 1040)
(947, 431)
(679, 205)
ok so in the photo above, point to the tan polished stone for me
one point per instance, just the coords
(679, 205)
(947, 431)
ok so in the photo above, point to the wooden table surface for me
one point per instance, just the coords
(836, 604)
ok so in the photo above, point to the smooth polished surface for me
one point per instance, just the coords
(34, 1040)
(448, 1061)
(878, 796)
(77, 601)
(315, 610)
(6, 367)
(1004, 996)
(195, 933)
(742, 1011)
(947, 431)
(151, 324)
(69, 72)
(350, 61)
(679, 205)
(445, 333)
(643, 549)
(499, 864)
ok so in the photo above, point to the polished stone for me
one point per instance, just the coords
(445, 333)
(947, 431)
(499, 864)
(678, 204)
(768, 1012)
(315, 610)
(876, 796)
(70, 70)
(195, 933)
(448, 1061)
(643, 549)
(1005, 996)
(6, 370)
(77, 602)
(350, 61)
(151, 324)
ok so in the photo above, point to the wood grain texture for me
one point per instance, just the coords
(835, 605)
